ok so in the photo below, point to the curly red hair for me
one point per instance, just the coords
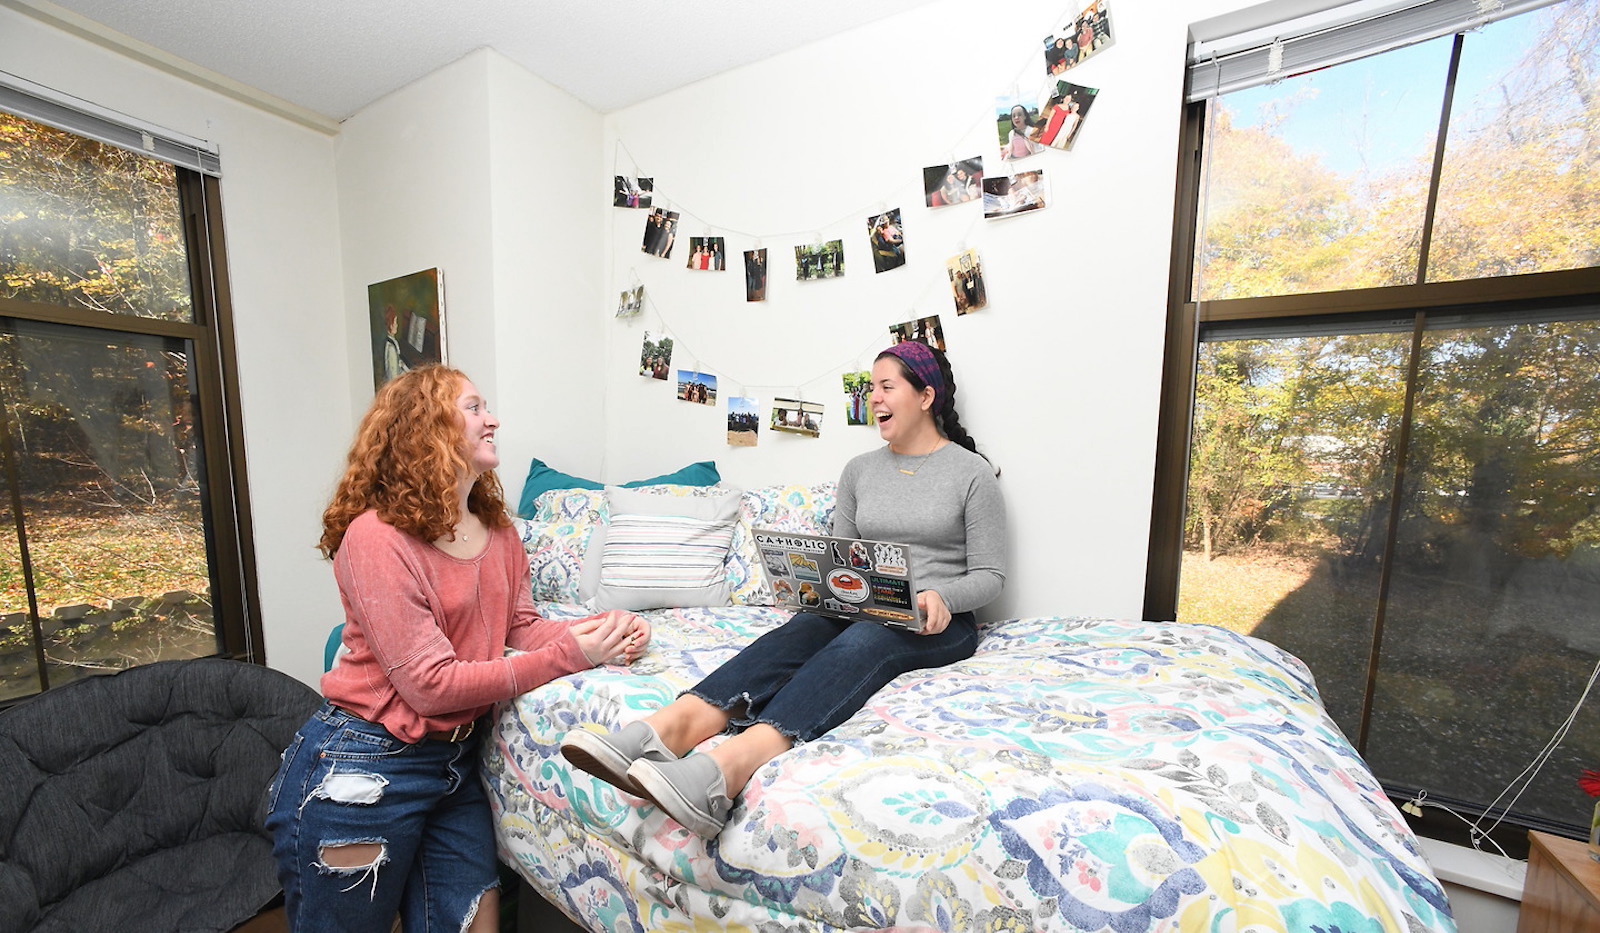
(404, 463)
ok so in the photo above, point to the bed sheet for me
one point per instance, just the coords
(1074, 774)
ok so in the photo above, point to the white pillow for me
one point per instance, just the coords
(660, 552)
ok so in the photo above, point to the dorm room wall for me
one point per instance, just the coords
(488, 172)
(1058, 376)
(282, 228)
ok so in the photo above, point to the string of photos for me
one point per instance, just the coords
(1026, 125)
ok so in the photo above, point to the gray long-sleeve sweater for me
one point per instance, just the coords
(950, 511)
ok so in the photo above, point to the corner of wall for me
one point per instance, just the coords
(549, 193)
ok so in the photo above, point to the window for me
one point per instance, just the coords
(1380, 435)
(125, 537)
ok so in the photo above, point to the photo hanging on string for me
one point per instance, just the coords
(926, 330)
(858, 389)
(700, 388)
(660, 231)
(655, 359)
(1078, 39)
(1064, 109)
(792, 416)
(1018, 124)
(631, 301)
(956, 183)
(744, 421)
(1007, 196)
(707, 254)
(819, 261)
(888, 240)
(755, 274)
(632, 192)
(966, 282)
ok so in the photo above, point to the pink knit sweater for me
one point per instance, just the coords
(427, 632)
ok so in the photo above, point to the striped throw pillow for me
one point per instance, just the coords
(663, 552)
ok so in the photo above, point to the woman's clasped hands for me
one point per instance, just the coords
(616, 635)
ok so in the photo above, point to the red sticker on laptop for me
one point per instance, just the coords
(848, 585)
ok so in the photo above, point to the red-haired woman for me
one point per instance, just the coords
(377, 809)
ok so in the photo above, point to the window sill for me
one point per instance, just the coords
(1470, 868)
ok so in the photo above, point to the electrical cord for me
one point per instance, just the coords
(1477, 833)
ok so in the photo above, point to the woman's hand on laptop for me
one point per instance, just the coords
(935, 614)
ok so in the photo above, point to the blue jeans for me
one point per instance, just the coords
(345, 781)
(812, 673)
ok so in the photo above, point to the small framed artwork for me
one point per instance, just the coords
(407, 320)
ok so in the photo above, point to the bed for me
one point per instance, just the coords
(1074, 774)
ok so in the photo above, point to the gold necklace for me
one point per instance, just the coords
(920, 461)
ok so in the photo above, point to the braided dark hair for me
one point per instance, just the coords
(945, 419)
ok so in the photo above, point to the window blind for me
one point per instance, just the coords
(1330, 37)
(23, 98)
(1444, 318)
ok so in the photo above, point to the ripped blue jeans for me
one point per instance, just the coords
(346, 781)
(812, 673)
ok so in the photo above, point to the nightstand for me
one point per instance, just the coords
(1562, 893)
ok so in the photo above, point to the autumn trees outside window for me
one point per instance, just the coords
(123, 530)
(1380, 439)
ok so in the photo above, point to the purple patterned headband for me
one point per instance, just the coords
(919, 358)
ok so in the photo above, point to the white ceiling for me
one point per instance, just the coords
(334, 57)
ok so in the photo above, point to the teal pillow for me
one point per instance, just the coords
(542, 479)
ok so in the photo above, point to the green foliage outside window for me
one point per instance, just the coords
(89, 225)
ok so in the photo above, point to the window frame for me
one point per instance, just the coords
(225, 500)
(1186, 316)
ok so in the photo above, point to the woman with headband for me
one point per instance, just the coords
(927, 487)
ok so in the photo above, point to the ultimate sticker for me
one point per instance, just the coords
(891, 592)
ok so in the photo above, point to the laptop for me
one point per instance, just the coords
(843, 578)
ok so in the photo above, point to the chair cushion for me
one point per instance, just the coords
(135, 800)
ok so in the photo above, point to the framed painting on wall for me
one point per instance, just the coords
(407, 317)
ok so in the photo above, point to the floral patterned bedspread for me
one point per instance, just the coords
(1072, 775)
